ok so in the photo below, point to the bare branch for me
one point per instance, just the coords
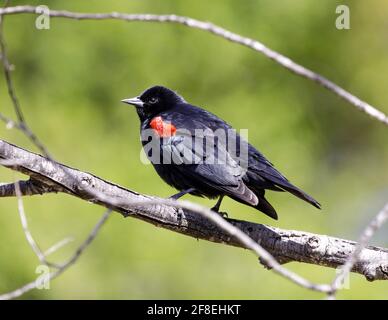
(30, 239)
(26, 188)
(7, 67)
(33, 284)
(221, 32)
(265, 257)
(287, 245)
(366, 235)
(29, 187)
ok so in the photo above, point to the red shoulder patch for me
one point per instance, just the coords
(162, 128)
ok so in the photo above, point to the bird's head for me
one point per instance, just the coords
(154, 100)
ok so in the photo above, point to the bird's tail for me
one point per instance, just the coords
(300, 194)
(265, 207)
(262, 205)
(282, 183)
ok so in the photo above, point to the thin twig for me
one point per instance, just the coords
(9, 123)
(30, 239)
(223, 33)
(242, 237)
(365, 237)
(55, 247)
(7, 67)
(33, 284)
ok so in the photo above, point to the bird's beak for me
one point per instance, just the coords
(134, 101)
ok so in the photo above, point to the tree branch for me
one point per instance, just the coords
(285, 245)
(221, 32)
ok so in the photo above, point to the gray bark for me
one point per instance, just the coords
(286, 245)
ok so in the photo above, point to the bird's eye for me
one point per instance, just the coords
(153, 100)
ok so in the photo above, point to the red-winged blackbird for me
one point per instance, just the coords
(176, 126)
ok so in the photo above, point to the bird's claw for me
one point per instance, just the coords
(222, 214)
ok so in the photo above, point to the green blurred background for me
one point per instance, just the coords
(70, 80)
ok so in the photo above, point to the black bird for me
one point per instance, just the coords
(170, 127)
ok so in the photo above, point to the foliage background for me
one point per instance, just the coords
(71, 78)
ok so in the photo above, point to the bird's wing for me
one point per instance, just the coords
(202, 157)
(261, 173)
